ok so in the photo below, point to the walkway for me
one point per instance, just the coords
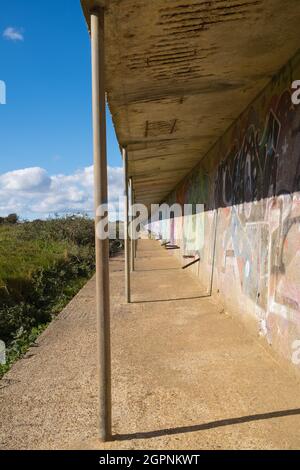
(185, 375)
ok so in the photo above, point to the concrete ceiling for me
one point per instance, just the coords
(179, 72)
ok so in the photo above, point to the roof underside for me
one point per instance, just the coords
(179, 72)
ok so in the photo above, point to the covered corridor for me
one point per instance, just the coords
(204, 98)
(185, 374)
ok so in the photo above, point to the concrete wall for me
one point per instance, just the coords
(250, 183)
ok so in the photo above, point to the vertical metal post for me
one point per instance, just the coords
(126, 224)
(214, 252)
(134, 241)
(102, 246)
(131, 228)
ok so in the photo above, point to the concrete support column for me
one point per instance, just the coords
(102, 246)
(126, 225)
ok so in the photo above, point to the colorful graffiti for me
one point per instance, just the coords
(256, 168)
(259, 182)
(253, 189)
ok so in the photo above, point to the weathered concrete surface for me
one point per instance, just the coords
(179, 72)
(179, 363)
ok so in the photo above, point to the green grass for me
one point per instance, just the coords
(43, 264)
(23, 339)
(20, 258)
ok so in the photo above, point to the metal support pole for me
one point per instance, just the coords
(102, 246)
(131, 228)
(134, 241)
(126, 235)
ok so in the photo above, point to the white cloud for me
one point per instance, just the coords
(32, 193)
(13, 34)
(29, 179)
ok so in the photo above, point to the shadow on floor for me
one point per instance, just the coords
(205, 296)
(156, 269)
(205, 426)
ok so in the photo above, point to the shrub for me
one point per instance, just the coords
(43, 264)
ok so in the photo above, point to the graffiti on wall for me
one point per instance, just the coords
(254, 189)
(258, 183)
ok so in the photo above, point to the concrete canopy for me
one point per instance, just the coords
(179, 72)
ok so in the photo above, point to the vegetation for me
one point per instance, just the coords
(43, 264)
(10, 219)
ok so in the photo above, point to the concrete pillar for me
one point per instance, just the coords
(126, 224)
(102, 246)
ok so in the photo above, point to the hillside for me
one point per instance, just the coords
(43, 264)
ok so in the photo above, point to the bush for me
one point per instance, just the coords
(43, 264)
(43, 291)
(11, 219)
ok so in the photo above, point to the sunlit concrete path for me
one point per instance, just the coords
(186, 375)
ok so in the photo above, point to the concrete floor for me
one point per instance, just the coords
(186, 375)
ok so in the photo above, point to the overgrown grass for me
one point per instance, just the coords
(42, 266)
(20, 258)
(24, 339)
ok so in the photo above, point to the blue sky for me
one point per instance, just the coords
(46, 122)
